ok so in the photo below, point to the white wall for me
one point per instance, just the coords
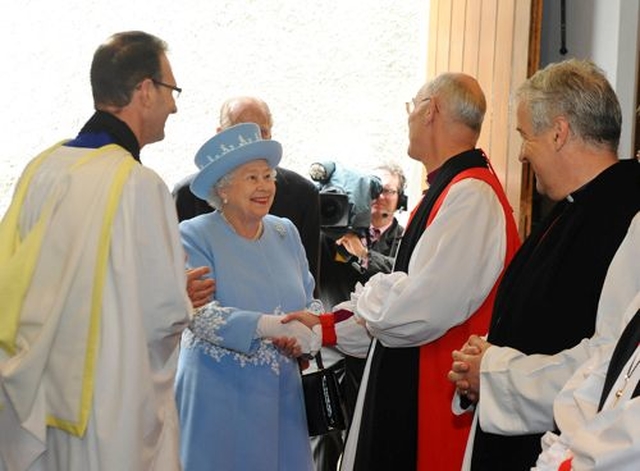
(335, 73)
(605, 31)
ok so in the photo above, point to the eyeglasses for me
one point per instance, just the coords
(389, 192)
(413, 104)
(175, 91)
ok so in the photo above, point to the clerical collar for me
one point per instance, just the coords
(431, 176)
(104, 128)
(571, 197)
(576, 194)
(451, 162)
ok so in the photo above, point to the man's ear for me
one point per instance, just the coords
(429, 111)
(561, 132)
(143, 93)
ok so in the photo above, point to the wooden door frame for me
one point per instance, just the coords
(527, 187)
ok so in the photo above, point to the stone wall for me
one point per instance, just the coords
(335, 73)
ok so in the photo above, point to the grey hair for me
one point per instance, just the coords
(466, 105)
(394, 169)
(579, 91)
(214, 199)
(227, 116)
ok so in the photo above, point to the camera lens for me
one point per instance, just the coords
(334, 210)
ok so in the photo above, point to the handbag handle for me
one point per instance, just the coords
(318, 359)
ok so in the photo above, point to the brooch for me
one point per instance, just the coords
(281, 230)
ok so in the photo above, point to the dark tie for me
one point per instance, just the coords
(627, 344)
(374, 234)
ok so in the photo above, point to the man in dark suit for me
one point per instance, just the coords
(296, 197)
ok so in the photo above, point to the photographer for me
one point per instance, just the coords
(352, 257)
(365, 248)
(377, 252)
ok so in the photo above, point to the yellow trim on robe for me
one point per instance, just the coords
(78, 428)
(18, 258)
(28, 256)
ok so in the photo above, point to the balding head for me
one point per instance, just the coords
(461, 97)
(446, 118)
(246, 109)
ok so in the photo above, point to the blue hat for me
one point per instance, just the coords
(229, 149)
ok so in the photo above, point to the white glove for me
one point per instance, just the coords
(270, 326)
(554, 452)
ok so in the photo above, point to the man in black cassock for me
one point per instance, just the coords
(544, 319)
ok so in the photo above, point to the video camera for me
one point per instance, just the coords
(345, 198)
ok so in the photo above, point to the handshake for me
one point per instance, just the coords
(290, 335)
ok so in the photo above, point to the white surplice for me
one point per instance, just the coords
(514, 400)
(606, 439)
(443, 286)
(132, 420)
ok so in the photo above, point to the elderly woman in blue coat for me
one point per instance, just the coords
(239, 396)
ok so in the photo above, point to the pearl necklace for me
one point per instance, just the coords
(627, 376)
(256, 236)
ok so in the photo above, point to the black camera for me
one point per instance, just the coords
(345, 198)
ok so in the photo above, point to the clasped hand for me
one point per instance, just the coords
(465, 369)
(291, 336)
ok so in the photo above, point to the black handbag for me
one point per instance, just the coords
(323, 400)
